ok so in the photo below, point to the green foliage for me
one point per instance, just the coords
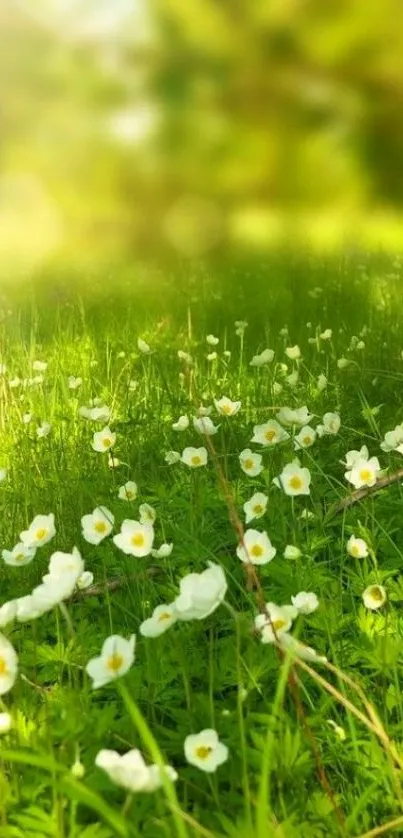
(212, 673)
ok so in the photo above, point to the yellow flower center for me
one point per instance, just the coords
(307, 440)
(278, 624)
(129, 493)
(365, 474)
(40, 534)
(226, 409)
(138, 539)
(258, 509)
(355, 551)
(295, 482)
(115, 662)
(256, 551)
(195, 460)
(203, 751)
(19, 557)
(166, 615)
(248, 464)
(376, 594)
(3, 666)
(270, 435)
(107, 442)
(100, 526)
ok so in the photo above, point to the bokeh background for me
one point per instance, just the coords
(185, 129)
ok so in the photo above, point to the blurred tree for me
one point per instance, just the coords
(144, 123)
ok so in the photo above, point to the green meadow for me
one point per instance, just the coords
(271, 682)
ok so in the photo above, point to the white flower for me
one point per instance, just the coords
(204, 425)
(343, 363)
(393, 439)
(172, 457)
(8, 665)
(212, 356)
(97, 525)
(163, 617)
(27, 608)
(74, 382)
(374, 597)
(133, 385)
(8, 612)
(148, 514)
(113, 461)
(184, 356)
(204, 410)
(55, 588)
(295, 647)
(205, 751)
(270, 433)
(265, 357)
(289, 416)
(103, 440)
(14, 383)
(227, 407)
(40, 531)
(77, 770)
(277, 388)
(85, 580)
(305, 602)
(182, 424)
(201, 593)
(20, 555)
(5, 723)
(293, 352)
(96, 413)
(251, 464)
(240, 326)
(143, 347)
(357, 547)
(135, 539)
(364, 472)
(130, 772)
(227, 353)
(27, 418)
(163, 552)
(212, 341)
(292, 379)
(43, 430)
(39, 366)
(292, 552)
(256, 548)
(116, 658)
(331, 423)
(353, 456)
(194, 457)
(305, 438)
(128, 491)
(295, 480)
(255, 507)
(275, 622)
(61, 563)
(321, 382)
(326, 335)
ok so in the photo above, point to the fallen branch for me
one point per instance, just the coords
(115, 584)
(359, 494)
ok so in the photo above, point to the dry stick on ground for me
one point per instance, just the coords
(345, 503)
(115, 584)
(253, 582)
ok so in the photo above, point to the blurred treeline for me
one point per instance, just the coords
(137, 127)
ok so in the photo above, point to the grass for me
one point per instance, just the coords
(313, 749)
